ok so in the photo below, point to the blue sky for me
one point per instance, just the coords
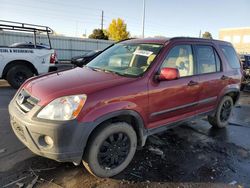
(163, 17)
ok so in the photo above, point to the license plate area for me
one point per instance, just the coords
(18, 128)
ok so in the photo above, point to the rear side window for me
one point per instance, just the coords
(180, 57)
(207, 59)
(231, 56)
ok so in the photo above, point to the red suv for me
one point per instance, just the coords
(100, 113)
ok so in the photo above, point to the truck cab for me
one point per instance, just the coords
(20, 61)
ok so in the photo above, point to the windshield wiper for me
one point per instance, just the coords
(119, 73)
(95, 69)
(110, 71)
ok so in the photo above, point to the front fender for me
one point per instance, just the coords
(103, 113)
(102, 110)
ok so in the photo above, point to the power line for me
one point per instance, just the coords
(56, 15)
(93, 18)
(48, 3)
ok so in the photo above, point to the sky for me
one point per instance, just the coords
(162, 17)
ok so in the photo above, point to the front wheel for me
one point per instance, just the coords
(17, 75)
(222, 114)
(110, 150)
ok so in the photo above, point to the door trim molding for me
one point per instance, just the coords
(167, 126)
(204, 101)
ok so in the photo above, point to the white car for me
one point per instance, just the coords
(21, 61)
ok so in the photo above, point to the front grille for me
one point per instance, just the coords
(25, 101)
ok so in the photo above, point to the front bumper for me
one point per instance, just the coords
(69, 138)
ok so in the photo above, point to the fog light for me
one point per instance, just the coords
(48, 140)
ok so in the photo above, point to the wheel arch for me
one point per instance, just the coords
(129, 116)
(234, 93)
(18, 62)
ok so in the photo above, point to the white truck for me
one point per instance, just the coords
(21, 61)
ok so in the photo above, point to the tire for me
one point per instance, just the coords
(222, 114)
(101, 151)
(17, 75)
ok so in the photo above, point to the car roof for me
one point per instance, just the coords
(164, 40)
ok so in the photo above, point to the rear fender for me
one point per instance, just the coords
(235, 88)
(229, 89)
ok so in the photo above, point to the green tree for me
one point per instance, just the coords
(207, 35)
(98, 34)
(117, 30)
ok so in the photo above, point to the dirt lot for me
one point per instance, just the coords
(192, 155)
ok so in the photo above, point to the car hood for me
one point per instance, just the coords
(71, 82)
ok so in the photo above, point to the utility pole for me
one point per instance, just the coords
(143, 19)
(102, 20)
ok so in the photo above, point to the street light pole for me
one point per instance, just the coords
(143, 19)
(102, 20)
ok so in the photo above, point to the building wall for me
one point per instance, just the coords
(239, 37)
(66, 47)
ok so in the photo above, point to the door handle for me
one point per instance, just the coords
(192, 83)
(224, 77)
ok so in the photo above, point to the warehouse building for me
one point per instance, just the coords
(239, 37)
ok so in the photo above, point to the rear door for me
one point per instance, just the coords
(211, 78)
(171, 101)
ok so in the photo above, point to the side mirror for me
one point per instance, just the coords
(168, 74)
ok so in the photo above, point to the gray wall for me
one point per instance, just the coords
(66, 47)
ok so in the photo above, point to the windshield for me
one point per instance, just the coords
(126, 59)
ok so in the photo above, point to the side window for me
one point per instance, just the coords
(207, 59)
(180, 57)
(231, 56)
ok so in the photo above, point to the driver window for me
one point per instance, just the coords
(180, 57)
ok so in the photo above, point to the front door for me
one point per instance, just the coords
(171, 101)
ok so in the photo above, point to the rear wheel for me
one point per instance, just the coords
(18, 74)
(222, 114)
(110, 149)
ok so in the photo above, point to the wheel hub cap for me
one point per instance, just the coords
(114, 150)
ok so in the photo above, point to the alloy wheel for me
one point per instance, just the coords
(225, 111)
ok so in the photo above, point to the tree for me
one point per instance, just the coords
(98, 34)
(207, 35)
(117, 30)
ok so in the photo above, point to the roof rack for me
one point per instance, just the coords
(25, 27)
(18, 26)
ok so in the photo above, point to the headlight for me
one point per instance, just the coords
(63, 108)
